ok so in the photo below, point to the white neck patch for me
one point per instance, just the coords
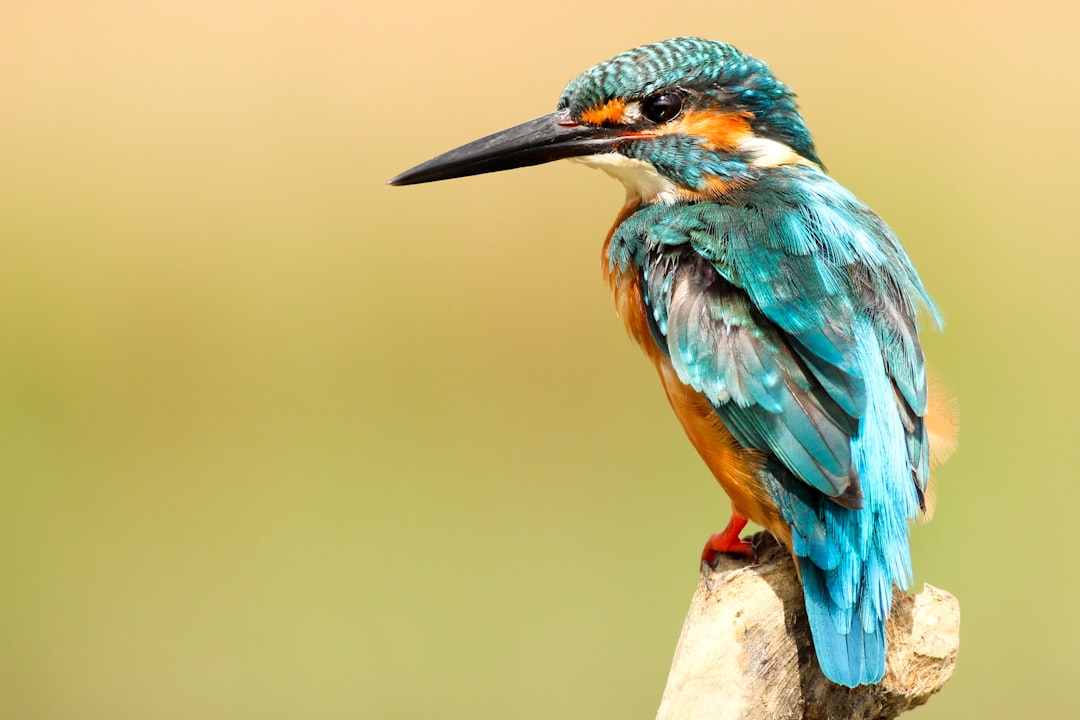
(639, 177)
(765, 152)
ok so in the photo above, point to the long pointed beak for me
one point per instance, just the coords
(547, 138)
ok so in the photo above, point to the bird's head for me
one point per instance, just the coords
(681, 119)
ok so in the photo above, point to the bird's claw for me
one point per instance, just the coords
(728, 541)
(718, 543)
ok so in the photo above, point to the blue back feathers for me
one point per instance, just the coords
(792, 307)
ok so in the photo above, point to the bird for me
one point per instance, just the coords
(780, 312)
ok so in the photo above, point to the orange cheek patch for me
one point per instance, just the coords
(723, 131)
(610, 112)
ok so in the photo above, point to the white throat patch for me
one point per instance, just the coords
(639, 177)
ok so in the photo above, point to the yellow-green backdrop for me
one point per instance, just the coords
(279, 441)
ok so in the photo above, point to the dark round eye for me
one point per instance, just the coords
(661, 107)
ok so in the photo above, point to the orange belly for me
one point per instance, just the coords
(734, 466)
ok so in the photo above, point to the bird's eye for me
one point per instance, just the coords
(662, 107)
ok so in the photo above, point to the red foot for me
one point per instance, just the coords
(728, 541)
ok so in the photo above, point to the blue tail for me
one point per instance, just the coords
(851, 559)
(850, 652)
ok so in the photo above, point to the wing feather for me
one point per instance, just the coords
(755, 299)
(722, 346)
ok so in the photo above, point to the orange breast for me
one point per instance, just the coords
(734, 467)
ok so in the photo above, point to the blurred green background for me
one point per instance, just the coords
(279, 441)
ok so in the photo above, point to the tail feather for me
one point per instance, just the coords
(850, 651)
(850, 560)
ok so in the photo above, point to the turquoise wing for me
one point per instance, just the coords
(793, 309)
(807, 272)
(722, 345)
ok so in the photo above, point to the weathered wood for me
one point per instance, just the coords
(745, 650)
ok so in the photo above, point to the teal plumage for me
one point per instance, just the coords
(790, 305)
(770, 291)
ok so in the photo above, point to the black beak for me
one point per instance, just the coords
(547, 138)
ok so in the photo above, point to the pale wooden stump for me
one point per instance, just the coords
(745, 650)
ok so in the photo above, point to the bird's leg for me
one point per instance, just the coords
(728, 541)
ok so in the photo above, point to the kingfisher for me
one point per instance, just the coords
(780, 312)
